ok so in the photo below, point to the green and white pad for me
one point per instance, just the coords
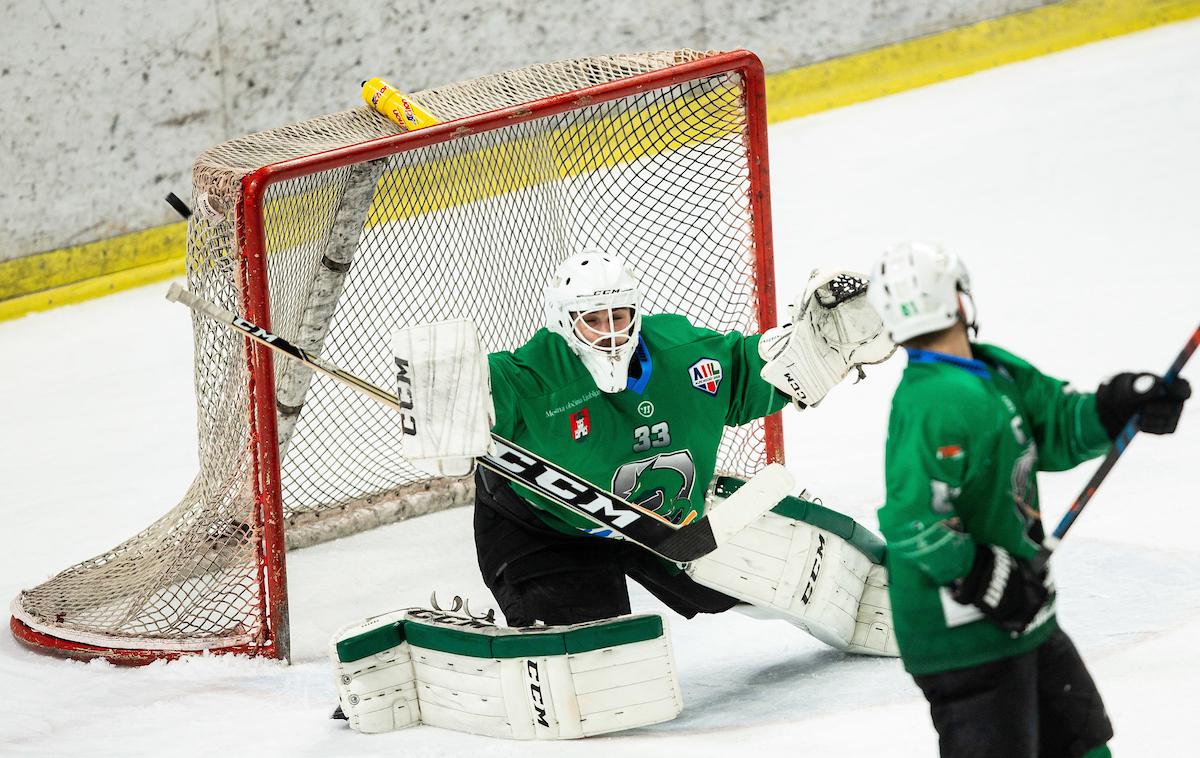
(553, 682)
(808, 565)
(376, 688)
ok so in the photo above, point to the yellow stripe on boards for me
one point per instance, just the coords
(81, 272)
(87, 289)
(33, 273)
(961, 51)
(73, 274)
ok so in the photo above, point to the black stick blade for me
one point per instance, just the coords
(179, 206)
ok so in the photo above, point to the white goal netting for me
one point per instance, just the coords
(367, 231)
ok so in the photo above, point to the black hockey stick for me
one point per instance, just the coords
(608, 511)
(1119, 444)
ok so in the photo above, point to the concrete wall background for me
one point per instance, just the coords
(106, 104)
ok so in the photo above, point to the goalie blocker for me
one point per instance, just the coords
(445, 403)
(463, 673)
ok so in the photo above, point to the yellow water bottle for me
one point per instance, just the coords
(398, 107)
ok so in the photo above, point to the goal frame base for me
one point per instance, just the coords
(45, 644)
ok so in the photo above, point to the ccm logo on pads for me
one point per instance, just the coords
(816, 570)
(535, 693)
(404, 393)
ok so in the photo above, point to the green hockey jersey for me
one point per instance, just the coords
(966, 439)
(654, 443)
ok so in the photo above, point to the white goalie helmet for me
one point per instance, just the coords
(915, 287)
(590, 286)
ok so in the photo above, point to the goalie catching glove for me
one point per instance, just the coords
(833, 330)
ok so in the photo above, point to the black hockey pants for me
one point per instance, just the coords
(538, 574)
(1041, 704)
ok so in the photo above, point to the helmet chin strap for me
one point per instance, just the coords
(972, 322)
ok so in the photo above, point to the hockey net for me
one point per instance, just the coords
(334, 231)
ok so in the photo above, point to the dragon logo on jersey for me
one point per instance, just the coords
(1024, 483)
(1024, 473)
(706, 375)
(662, 483)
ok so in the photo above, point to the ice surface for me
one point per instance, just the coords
(1067, 183)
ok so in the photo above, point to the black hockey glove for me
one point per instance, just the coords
(1126, 394)
(1007, 589)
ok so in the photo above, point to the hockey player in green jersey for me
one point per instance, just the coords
(637, 405)
(971, 425)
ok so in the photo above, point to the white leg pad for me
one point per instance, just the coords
(810, 577)
(474, 677)
(377, 693)
(873, 626)
(548, 697)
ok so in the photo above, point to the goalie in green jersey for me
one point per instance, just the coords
(971, 425)
(635, 404)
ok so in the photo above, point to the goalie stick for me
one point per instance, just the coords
(1118, 448)
(680, 544)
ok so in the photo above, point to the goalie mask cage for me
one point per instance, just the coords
(333, 232)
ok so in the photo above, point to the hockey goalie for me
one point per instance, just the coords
(636, 404)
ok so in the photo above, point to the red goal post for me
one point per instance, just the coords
(331, 231)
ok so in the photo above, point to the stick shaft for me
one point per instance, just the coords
(1119, 444)
(275, 342)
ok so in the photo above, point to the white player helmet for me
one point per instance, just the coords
(915, 287)
(596, 282)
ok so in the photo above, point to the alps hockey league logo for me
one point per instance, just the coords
(706, 375)
(581, 424)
